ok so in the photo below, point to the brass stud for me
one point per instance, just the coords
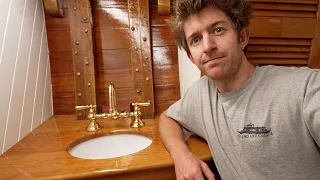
(144, 39)
(87, 63)
(147, 79)
(86, 30)
(137, 70)
(76, 53)
(74, 8)
(79, 94)
(84, 18)
(77, 43)
(89, 84)
(149, 101)
(135, 48)
(146, 57)
(139, 91)
(133, 28)
(78, 73)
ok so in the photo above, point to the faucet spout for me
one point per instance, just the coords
(112, 100)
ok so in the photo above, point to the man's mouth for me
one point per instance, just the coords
(215, 58)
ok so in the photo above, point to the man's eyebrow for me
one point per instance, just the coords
(209, 26)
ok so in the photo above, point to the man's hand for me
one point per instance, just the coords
(190, 167)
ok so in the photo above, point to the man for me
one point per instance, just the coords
(259, 122)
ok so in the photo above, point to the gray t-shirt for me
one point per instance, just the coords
(267, 129)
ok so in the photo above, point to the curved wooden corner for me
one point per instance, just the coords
(52, 8)
(164, 7)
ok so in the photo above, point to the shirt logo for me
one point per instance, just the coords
(250, 131)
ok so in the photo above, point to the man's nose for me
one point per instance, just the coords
(209, 44)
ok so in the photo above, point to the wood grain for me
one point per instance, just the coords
(61, 63)
(64, 103)
(59, 41)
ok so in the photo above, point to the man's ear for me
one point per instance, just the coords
(191, 58)
(244, 37)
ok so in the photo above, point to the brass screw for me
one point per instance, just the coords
(132, 28)
(144, 39)
(84, 18)
(89, 84)
(86, 30)
(87, 63)
(78, 73)
(77, 43)
(135, 48)
(74, 8)
(146, 57)
(79, 94)
(76, 53)
(137, 70)
(147, 79)
(139, 91)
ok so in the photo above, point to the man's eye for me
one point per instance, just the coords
(195, 40)
(218, 31)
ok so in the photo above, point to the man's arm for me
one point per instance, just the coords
(187, 165)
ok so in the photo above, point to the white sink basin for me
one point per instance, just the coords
(110, 146)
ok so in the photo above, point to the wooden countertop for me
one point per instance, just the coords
(42, 154)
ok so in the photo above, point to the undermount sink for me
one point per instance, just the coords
(110, 146)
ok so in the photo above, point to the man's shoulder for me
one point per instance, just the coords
(287, 73)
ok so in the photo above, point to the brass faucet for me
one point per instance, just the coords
(113, 113)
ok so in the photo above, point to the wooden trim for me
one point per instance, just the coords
(164, 7)
(314, 60)
(82, 53)
(141, 61)
(53, 8)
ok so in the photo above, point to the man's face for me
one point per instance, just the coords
(214, 43)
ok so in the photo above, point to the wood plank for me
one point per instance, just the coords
(107, 3)
(273, 48)
(165, 93)
(279, 41)
(59, 41)
(61, 63)
(113, 59)
(314, 61)
(124, 97)
(111, 17)
(166, 74)
(162, 36)
(64, 103)
(284, 7)
(282, 27)
(291, 14)
(62, 83)
(112, 39)
(284, 55)
(156, 19)
(167, 55)
(53, 23)
(121, 78)
(160, 107)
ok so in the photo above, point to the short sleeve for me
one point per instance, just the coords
(312, 105)
(173, 113)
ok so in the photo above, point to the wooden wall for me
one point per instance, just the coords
(282, 33)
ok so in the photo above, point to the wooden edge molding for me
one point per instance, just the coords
(53, 8)
(314, 60)
(164, 7)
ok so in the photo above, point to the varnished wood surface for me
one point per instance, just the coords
(43, 153)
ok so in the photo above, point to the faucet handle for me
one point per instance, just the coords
(141, 104)
(85, 107)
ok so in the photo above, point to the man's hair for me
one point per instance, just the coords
(239, 11)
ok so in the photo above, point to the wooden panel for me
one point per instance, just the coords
(279, 41)
(63, 83)
(165, 55)
(124, 97)
(107, 3)
(284, 7)
(160, 107)
(314, 61)
(64, 103)
(113, 59)
(169, 92)
(162, 36)
(277, 55)
(105, 39)
(282, 27)
(111, 17)
(278, 61)
(59, 41)
(278, 48)
(166, 74)
(122, 78)
(61, 63)
(289, 1)
(156, 19)
(53, 23)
